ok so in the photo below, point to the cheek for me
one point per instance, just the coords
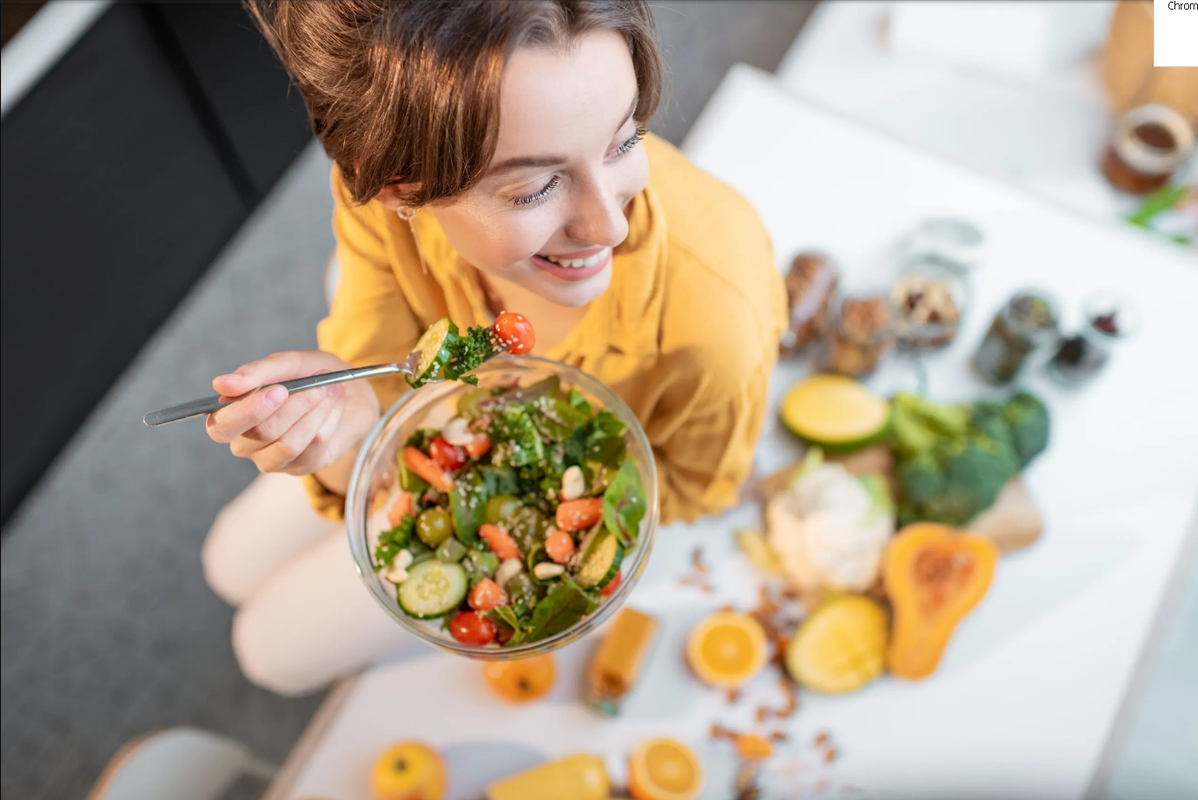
(496, 242)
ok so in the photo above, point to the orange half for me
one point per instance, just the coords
(664, 769)
(726, 649)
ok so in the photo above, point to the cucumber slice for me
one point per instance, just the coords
(433, 588)
(435, 346)
(599, 557)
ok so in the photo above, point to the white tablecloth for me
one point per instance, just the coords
(1028, 689)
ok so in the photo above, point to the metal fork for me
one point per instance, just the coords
(206, 405)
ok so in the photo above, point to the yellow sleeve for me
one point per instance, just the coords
(369, 321)
(704, 449)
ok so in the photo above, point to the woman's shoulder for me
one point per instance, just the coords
(724, 297)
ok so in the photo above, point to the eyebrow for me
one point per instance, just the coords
(530, 162)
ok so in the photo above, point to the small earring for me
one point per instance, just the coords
(407, 214)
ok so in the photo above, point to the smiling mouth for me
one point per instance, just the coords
(578, 263)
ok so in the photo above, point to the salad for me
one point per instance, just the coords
(513, 519)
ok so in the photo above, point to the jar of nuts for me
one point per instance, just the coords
(929, 299)
(810, 287)
(859, 334)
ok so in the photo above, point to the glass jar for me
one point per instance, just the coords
(1079, 358)
(859, 334)
(810, 289)
(1027, 322)
(432, 406)
(1148, 144)
(931, 291)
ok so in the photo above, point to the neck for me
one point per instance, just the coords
(553, 323)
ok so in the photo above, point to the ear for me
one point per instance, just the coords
(392, 195)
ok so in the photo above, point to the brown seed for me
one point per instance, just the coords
(821, 738)
(778, 736)
(830, 755)
(762, 713)
(732, 695)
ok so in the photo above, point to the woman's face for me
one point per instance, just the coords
(567, 163)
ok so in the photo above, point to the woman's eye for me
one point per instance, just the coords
(538, 196)
(631, 142)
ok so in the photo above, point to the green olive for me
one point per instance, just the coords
(501, 509)
(433, 526)
(468, 402)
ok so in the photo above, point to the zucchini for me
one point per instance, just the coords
(599, 557)
(451, 550)
(436, 349)
(433, 588)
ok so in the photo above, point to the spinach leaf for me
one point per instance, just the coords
(577, 401)
(511, 618)
(468, 499)
(565, 605)
(392, 541)
(624, 504)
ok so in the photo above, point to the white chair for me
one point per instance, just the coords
(179, 764)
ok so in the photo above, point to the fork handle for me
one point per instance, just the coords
(206, 405)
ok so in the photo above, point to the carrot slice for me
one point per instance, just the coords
(559, 546)
(427, 469)
(500, 541)
(479, 446)
(486, 595)
(400, 509)
(574, 515)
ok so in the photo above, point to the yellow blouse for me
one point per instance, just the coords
(686, 334)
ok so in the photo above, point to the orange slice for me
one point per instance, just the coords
(664, 769)
(726, 649)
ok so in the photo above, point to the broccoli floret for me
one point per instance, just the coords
(986, 420)
(974, 475)
(921, 478)
(1027, 418)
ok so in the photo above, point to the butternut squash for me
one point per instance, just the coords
(935, 575)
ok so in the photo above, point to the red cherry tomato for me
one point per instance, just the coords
(473, 629)
(516, 332)
(447, 456)
(612, 585)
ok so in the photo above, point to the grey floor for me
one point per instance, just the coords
(108, 628)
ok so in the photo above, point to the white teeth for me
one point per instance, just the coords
(576, 263)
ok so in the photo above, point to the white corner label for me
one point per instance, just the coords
(1175, 33)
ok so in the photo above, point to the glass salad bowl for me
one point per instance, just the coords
(384, 465)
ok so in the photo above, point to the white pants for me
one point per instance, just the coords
(303, 617)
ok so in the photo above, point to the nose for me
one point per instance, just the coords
(598, 217)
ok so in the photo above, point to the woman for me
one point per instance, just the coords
(489, 155)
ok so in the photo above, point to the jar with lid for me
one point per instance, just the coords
(810, 288)
(859, 334)
(931, 290)
(1080, 357)
(1149, 143)
(1025, 323)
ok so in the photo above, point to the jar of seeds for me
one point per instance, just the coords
(1027, 322)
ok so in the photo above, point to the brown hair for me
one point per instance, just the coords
(407, 91)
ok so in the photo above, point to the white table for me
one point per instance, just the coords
(1030, 685)
(1044, 131)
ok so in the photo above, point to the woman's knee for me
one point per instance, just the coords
(219, 557)
(267, 662)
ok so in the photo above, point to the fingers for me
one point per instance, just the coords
(278, 423)
(301, 448)
(232, 421)
(275, 368)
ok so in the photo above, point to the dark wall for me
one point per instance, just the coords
(122, 175)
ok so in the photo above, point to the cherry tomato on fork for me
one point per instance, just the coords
(516, 332)
(471, 628)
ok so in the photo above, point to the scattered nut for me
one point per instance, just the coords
(397, 572)
(574, 484)
(547, 570)
(457, 432)
(509, 569)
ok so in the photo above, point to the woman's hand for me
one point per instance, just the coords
(297, 434)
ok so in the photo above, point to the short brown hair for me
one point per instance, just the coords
(407, 91)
